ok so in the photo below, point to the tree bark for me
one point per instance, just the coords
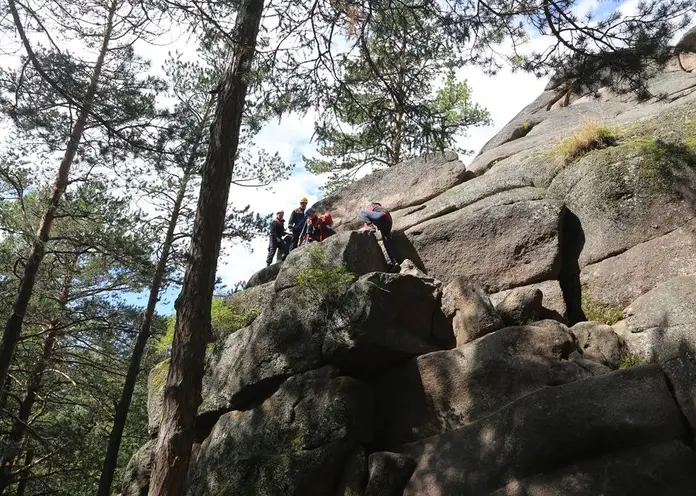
(111, 458)
(13, 327)
(22, 486)
(183, 391)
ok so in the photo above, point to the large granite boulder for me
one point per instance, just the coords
(549, 428)
(620, 279)
(136, 478)
(265, 275)
(295, 442)
(253, 299)
(388, 473)
(409, 183)
(444, 390)
(469, 310)
(660, 327)
(553, 305)
(598, 342)
(666, 468)
(499, 247)
(383, 319)
(357, 251)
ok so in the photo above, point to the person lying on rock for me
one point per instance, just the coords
(275, 239)
(375, 215)
(296, 222)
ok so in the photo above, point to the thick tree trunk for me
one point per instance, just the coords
(111, 458)
(13, 327)
(183, 391)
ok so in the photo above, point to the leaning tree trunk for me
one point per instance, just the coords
(13, 327)
(111, 458)
(183, 391)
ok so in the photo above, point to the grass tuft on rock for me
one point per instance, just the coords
(325, 282)
(590, 136)
(629, 360)
(600, 312)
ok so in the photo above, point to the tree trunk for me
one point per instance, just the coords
(22, 486)
(111, 458)
(183, 391)
(21, 422)
(16, 437)
(13, 328)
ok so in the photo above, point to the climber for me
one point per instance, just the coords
(375, 215)
(296, 222)
(325, 225)
(309, 232)
(275, 239)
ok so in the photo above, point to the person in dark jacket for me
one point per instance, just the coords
(310, 231)
(296, 222)
(275, 239)
(375, 215)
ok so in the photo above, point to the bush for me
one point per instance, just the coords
(326, 282)
(224, 319)
(590, 136)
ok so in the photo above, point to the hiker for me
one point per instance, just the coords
(275, 239)
(310, 231)
(325, 225)
(296, 222)
(375, 215)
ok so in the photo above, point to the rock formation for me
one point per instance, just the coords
(540, 339)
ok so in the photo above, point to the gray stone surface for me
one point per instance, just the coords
(499, 247)
(285, 339)
(252, 299)
(621, 279)
(388, 473)
(661, 327)
(359, 252)
(265, 275)
(447, 389)
(384, 318)
(469, 310)
(553, 305)
(598, 342)
(551, 427)
(311, 421)
(623, 190)
(666, 469)
(156, 382)
(408, 183)
(521, 306)
(136, 478)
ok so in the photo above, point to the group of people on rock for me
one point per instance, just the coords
(307, 226)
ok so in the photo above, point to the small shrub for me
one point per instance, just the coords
(590, 136)
(629, 360)
(600, 312)
(326, 282)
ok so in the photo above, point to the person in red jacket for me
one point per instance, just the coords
(325, 224)
(375, 215)
(310, 231)
(275, 239)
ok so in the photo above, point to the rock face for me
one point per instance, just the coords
(492, 363)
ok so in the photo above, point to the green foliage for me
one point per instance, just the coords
(399, 98)
(224, 319)
(600, 312)
(629, 360)
(324, 281)
(590, 136)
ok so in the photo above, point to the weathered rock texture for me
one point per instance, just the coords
(460, 375)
